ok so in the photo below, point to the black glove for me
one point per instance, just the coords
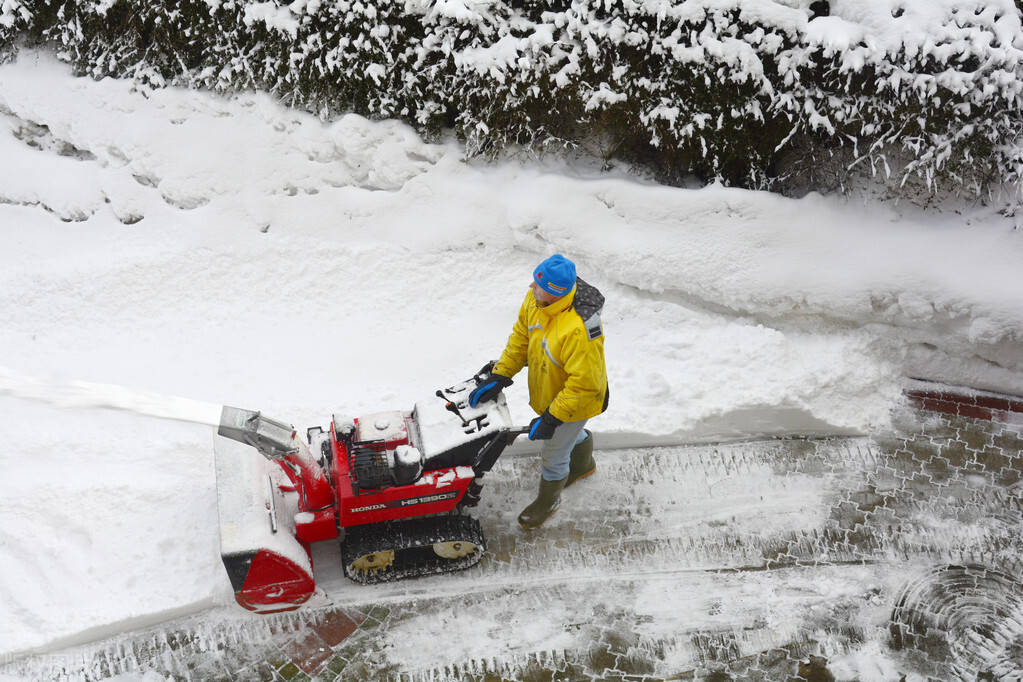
(542, 428)
(488, 389)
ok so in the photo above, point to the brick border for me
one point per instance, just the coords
(1007, 409)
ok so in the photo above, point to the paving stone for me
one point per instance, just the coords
(814, 669)
(976, 439)
(307, 650)
(370, 624)
(1012, 419)
(337, 664)
(379, 613)
(993, 459)
(325, 675)
(263, 672)
(275, 658)
(350, 652)
(1008, 441)
(290, 672)
(335, 627)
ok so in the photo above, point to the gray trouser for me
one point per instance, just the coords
(557, 452)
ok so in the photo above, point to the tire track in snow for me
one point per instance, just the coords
(650, 511)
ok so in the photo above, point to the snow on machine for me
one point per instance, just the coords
(394, 487)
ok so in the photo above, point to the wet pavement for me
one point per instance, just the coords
(890, 557)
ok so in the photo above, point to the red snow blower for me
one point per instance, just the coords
(393, 486)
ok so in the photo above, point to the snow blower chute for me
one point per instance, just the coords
(393, 487)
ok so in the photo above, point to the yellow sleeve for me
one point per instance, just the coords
(587, 377)
(513, 358)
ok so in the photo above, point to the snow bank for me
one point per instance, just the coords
(106, 523)
(234, 252)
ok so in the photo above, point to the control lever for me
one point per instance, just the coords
(451, 407)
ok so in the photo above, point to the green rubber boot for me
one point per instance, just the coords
(545, 504)
(582, 464)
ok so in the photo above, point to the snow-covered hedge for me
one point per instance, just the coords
(15, 18)
(760, 93)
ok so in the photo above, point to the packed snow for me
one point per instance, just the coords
(169, 251)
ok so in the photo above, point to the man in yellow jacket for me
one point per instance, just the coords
(560, 337)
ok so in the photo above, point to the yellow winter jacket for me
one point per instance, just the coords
(563, 344)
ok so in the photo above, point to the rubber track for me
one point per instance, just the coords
(412, 541)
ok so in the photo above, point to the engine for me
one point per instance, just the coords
(382, 452)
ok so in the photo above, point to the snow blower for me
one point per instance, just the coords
(393, 487)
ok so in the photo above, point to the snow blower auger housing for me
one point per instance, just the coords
(394, 487)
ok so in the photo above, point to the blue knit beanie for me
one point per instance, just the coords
(556, 275)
